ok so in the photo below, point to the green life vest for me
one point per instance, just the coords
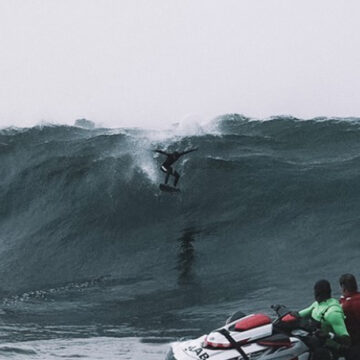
(329, 314)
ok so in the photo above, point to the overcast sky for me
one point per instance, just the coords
(152, 62)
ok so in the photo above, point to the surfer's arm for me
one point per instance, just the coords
(161, 152)
(188, 151)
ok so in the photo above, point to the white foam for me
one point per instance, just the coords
(96, 348)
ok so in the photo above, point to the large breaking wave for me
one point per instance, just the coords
(263, 205)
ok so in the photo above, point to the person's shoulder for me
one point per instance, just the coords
(352, 300)
(313, 305)
(355, 297)
(334, 308)
(334, 304)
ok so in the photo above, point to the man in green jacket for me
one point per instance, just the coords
(327, 313)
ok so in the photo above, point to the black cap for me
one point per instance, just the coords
(322, 290)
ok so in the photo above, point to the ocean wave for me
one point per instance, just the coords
(80, 203)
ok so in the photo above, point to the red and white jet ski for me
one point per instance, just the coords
(251, 337)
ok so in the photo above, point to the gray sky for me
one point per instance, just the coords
(152, 62)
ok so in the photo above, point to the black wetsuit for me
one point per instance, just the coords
(166, 166)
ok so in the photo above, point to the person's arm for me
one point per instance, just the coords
(188, 151)
(336, 320)
(340, 338)
(305, 313)
(161, 152)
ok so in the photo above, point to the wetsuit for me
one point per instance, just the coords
(351, 306)
(166, 166)
(330, 317)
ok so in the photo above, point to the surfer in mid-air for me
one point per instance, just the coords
(171, 158)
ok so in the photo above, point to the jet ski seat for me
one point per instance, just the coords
(252, 321)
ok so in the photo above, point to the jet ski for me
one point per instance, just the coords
(252, 337)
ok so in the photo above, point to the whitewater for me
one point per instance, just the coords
(97, 263)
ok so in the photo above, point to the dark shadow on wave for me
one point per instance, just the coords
(186, 256)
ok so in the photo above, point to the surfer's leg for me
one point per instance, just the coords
(177, 177)
(168, 173)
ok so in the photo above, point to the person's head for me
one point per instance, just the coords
(322, 290)
(348, 283)
(176, 153)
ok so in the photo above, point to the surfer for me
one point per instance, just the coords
(171, 158)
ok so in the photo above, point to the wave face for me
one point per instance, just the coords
(267, 206)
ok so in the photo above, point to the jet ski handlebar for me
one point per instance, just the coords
(281, 310)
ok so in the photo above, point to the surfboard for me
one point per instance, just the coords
(168, 188)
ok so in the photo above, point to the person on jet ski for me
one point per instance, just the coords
(350, 302)
(171, 158)
(327, 313)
